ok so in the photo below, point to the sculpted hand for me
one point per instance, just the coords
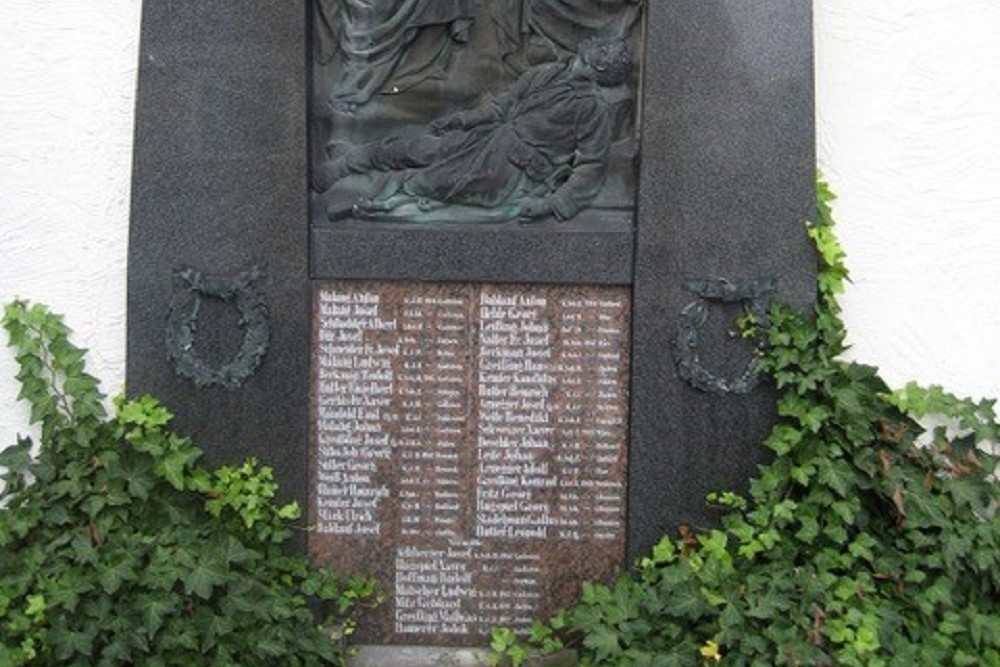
(453, 122)
(326, 174)
(534, 208)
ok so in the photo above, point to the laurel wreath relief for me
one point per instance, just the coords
(192, 287)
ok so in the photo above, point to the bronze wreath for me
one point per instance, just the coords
(753, 296)
(182, 324)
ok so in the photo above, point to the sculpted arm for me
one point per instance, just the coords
(484, 112)
(587, 171)
(491, 109)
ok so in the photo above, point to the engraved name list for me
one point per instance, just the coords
(468, 448)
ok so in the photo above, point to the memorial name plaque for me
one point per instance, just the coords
(455, 259)
(469, 448)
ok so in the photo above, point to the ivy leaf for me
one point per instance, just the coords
(68, 642)
(208, 569)
(675, 658)
(290, 511)
(837, 476)
(236, 553)
(145, 411)
(172, 466)
(65, 594)
(982, 626)
(112, 575)
(42, 407)
(157, 607)
(166, 567)
(17, 458)
(783, 439)
(213, 625)
(116, 651)
(136, 471)
(685, 602)
(765, 607)
(603, 641)
(271, 647)
(809, 529)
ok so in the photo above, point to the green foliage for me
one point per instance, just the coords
(117, 549)
(857, 545)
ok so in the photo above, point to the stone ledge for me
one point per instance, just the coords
(595, 248)
(440, 656)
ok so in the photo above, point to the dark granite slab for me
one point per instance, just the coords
(219, 185)
(725, 182)
(594, 248)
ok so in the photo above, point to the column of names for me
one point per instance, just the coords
(479, 432)
(549, 433)
(355, 385)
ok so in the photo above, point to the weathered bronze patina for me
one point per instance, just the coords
(449, 112)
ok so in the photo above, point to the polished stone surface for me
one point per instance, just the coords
(469, 449)
(219, 185)
(596, 247)
(442, 656)
(725, 182)
(418, 656)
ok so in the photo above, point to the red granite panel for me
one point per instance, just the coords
(469, 446)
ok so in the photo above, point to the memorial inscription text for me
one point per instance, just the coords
(469, 448)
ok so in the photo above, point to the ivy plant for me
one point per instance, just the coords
(866, 541)
(117, 548)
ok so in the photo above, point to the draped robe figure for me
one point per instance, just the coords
(375, 43)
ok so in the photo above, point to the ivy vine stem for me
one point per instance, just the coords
(117, 548)
(47, 359)
(855, 546)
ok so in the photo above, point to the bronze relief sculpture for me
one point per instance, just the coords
(373, 42)
(454, 111)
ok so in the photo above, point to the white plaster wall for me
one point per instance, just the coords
(908, 109)
(67, 82)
